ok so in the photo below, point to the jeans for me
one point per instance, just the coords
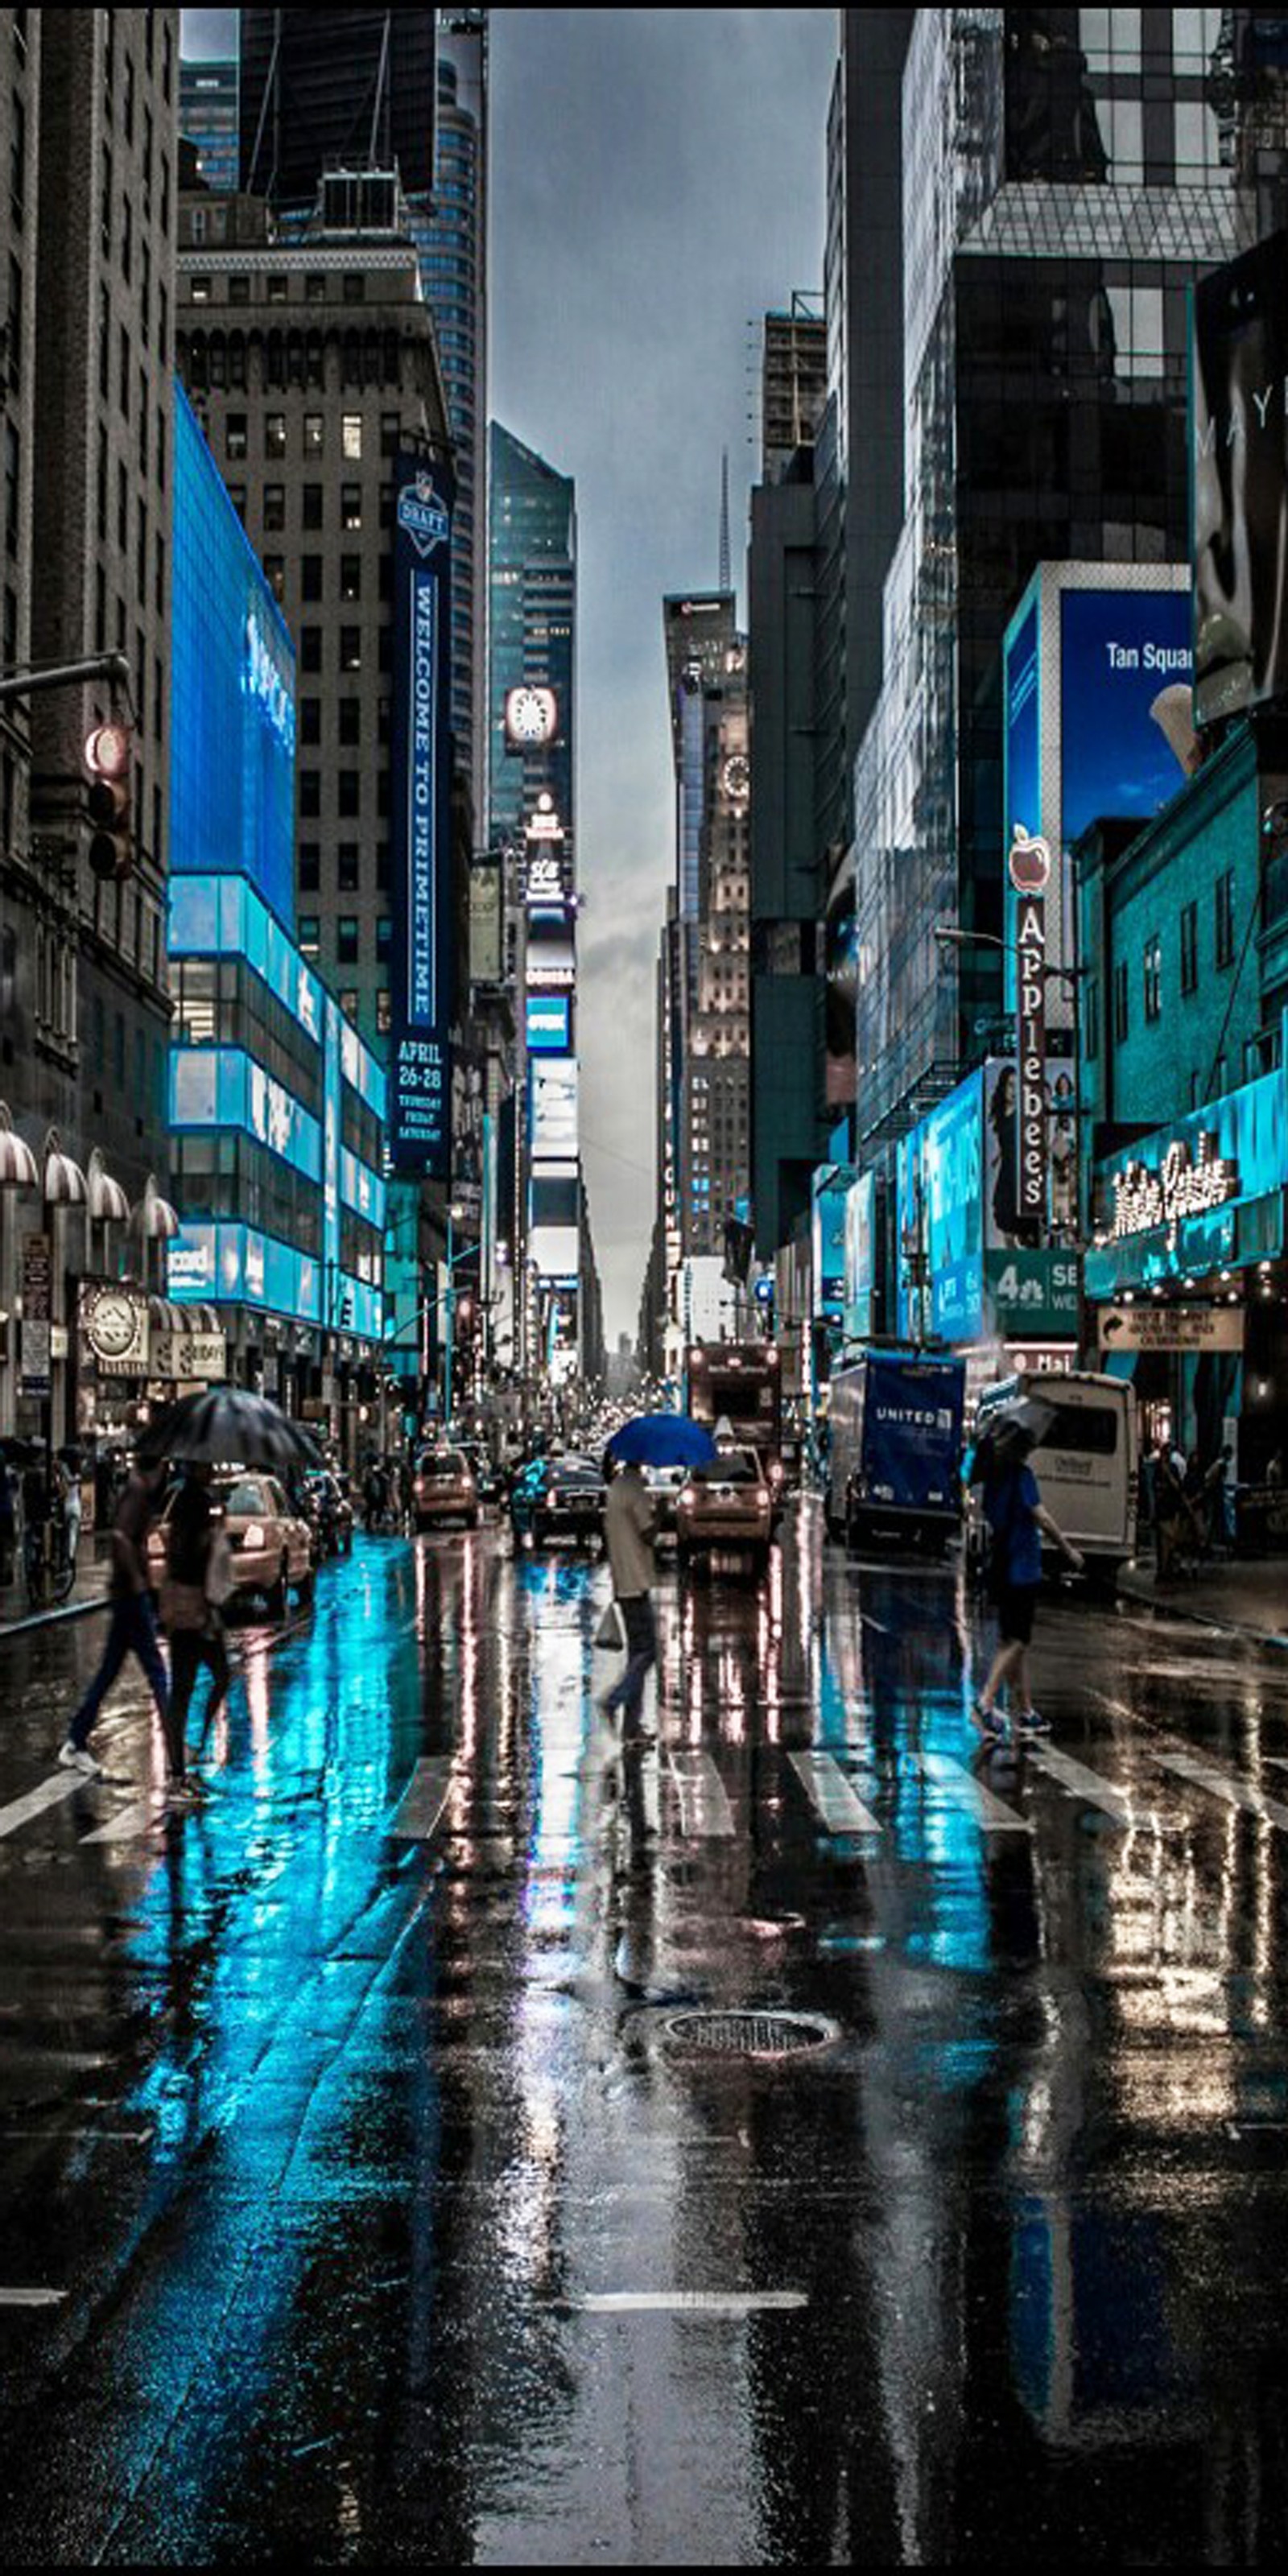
(641, 1654)
(190, 1648)
(132, 1632)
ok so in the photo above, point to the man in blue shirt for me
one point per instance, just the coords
(1017, 1517)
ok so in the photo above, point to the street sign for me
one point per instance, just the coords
(37, 1279)
(37, 1356)
(1170, 1328)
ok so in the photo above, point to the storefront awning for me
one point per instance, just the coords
(18, 1166)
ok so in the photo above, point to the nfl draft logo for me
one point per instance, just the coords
(422, 514)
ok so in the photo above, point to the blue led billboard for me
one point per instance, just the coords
(232, 690)
(549, 1023)
(1120, 650)
(421, 960)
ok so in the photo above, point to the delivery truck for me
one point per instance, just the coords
(894, 1476)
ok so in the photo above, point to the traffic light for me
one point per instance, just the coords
(108, 754)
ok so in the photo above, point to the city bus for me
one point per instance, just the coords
(739, 1383)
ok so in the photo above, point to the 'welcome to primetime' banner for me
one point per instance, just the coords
(420, 1068)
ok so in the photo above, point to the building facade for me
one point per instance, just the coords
(208, 119)
(452, 239)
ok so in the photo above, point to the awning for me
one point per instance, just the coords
(18, 1167)
(165, 1317)
(65, 1184)
(108, 1204)
(156, 1220)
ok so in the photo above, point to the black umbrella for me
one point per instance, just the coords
(225, 1427)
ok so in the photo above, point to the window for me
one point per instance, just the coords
(390, 432)
(104, 340)
(384, 1013)
(277, 288)
(275, 575)
(1122, 1015)
(351, 505)
(1224, 899)
(311, 505)
(349, 715)
(310, 867)
(348, 784)
(310, 720)
(351, 577)
(349, 1002)
(310, 648)
(310, 577)
(1153, 979)
(237, 495)
(346, 939)
(239, 290)
(351, 648)
(1189, 948)
(315, 286)
(311, 792)
(384, 929)
(313, 421)
(351, 437)
(275, 433)
(308, 929)
(235, 436)
(353, 286)
(274, 508)
(346, 867)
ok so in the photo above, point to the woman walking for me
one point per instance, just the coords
(191, 1614)
(1017, 1518)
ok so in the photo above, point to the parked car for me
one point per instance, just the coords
(444, 1489)
(272, 1546)
(560, 1497)
(726, 1508)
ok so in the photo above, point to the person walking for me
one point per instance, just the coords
(1017, 1518)
(1169, 1508)
(133, 1628)
(629, 1525)
(190, 1609)
(72, 1508)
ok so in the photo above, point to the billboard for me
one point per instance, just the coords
(422, 960)
(554, 1110)
(831, 1194)
(989, 1270)
(548, 1023)
(1239, 481)
(860, 1257)
(232, 691)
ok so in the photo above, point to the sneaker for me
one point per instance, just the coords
(77, 1757)
(186, 1792)
(1032, 1724)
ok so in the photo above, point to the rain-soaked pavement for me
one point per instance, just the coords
(359, 2198)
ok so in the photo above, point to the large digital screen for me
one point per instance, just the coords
(422, 960)
(1121, 653)
(549, 1023)
(232, 690)
(1239, 481)
(553, 1089)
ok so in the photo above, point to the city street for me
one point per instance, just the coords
(365, 2192)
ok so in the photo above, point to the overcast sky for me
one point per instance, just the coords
(657, 185)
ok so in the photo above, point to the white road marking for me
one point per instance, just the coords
(705, 1811)
(829, 1791)
(990, 1813)
(62, 1784)
(129, 1822)
(419, 1809)
(688, 2303)
(1224, 1785)
(31, 2298)
(1082, 1783)
(868, 1621)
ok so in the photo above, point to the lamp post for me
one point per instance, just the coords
(449, 1301)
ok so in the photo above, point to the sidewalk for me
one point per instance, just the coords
(89, 1592)
(1247, 1599)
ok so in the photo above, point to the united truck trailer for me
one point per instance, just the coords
(896, 1450)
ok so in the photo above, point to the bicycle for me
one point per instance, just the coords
(49, 1570)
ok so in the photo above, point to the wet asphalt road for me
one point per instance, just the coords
(357, 2198)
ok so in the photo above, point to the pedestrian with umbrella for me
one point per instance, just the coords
(653, 1440)
(1018, 1520)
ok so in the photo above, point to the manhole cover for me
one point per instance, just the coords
(750, 2034)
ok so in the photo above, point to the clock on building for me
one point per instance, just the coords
(737, 777)
(531, 717)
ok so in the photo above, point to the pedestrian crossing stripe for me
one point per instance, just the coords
(990, 1813)
(51, 1792)
(830, 1793)
(705, 1812)
(1227, 1786)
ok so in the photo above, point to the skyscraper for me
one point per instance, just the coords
(1064, 179)
(451, 237)
(352, 89)
(208, 118)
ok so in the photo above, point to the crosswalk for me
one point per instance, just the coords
(844, 1793)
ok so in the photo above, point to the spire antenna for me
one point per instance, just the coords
(725, 582)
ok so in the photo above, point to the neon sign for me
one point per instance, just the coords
(1184, 1185)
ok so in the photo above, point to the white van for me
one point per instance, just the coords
(1085, 1465)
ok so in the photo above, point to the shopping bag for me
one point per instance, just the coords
(611, 1632)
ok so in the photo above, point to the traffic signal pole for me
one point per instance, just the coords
(113, 667)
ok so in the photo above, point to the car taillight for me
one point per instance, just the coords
(762, 1494)
(254, 1536)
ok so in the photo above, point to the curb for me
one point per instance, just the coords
(1276, 1637)
(51, 1618)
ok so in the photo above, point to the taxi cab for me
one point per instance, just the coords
(726, 1508)
(444, 1488)
(271, 1545)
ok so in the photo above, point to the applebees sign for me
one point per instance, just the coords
(1030, 873)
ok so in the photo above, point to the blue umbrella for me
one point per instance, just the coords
(662, 1440)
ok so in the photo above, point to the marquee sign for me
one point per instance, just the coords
(420, 1138)
(1030, 872)
(1184, 1184)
